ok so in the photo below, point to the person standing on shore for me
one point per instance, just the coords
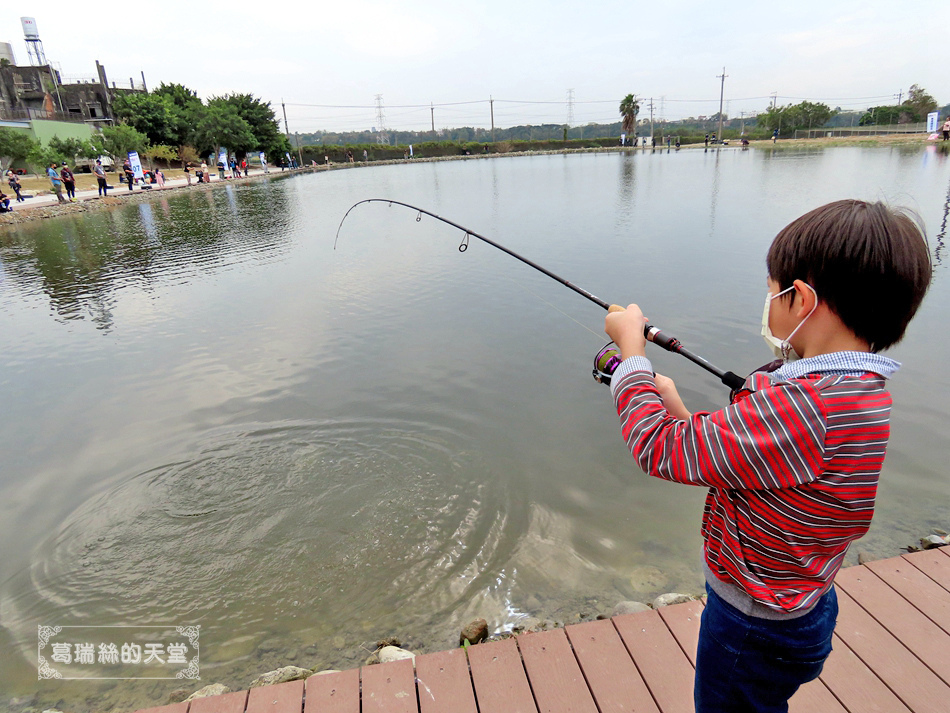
(946, 129)
(101, 178)
(792, 464)
(159, 178)
(56, 182)
(187, 171)
(14, 182)
(129, 173)
(69, 182)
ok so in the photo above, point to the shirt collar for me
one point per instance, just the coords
(845, 363)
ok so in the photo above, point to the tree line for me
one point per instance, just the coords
(166, 124)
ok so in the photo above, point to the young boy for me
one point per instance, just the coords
(792, 463)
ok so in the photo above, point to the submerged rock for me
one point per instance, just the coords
(393, 653)
(630, 608)
(280, 675)
(931, 541)
(475, 632)
(529, 623)
(666, 600)
(212, 689)
(177, 696)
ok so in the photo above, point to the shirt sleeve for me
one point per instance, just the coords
(774, 438)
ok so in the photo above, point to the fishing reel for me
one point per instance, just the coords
(606, 363)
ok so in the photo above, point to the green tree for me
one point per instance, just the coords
(162, 152)
(629, 108)
(152, 114)
(40, 156)
(806, 115)
(72, 148)
(14, 146)
(260, 118)
(178, 94)
(919, 103)
(185, 112)
(884, 115)
(220, 125)
(117, 141)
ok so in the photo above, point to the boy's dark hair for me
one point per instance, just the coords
(869, 263)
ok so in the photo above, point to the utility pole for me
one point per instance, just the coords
(299, 152)
(432, 111)
(722, 90)
(900, 95)
(491, 106)
(774, 99)
(286, 127)
(652, 142)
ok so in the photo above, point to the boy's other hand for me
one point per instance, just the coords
(671, 398)
(625, 327)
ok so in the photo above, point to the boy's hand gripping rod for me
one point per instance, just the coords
(652, 334)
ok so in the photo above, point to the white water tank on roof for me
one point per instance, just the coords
(6, 52)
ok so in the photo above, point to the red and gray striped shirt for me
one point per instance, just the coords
(792, 468)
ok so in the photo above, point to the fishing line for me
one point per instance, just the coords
(607, 359)
(598, 335)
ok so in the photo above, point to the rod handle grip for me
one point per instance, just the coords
(671, 344)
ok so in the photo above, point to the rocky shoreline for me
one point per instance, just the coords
(476, 632)
(279, 659)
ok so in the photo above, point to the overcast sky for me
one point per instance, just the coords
(417, 52)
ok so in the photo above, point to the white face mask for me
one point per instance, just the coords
(782, 348)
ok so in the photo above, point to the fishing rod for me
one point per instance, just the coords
(608, 358)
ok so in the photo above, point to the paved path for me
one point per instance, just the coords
(891, 655)
(118, 189)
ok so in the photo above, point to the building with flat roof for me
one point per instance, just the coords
(40, 92)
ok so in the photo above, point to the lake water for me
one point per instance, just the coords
(210, 416)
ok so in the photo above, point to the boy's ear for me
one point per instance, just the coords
(805, 298)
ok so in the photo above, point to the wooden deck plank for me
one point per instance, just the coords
(683, 621)
(555, 677)
(660, 660)
(389, 687)
(444, 683)
(227, 703)
(501, 684)
(280, 698)
(337, 692)
(916, 587)
(917, 686)
(815, 696)
(932, 563)
(855, 685)
(613, 678)
(925, 639)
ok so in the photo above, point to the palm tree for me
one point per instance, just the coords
(629, 108)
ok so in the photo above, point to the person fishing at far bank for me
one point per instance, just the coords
(792, 464)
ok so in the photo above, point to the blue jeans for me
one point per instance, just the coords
(749, 665)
